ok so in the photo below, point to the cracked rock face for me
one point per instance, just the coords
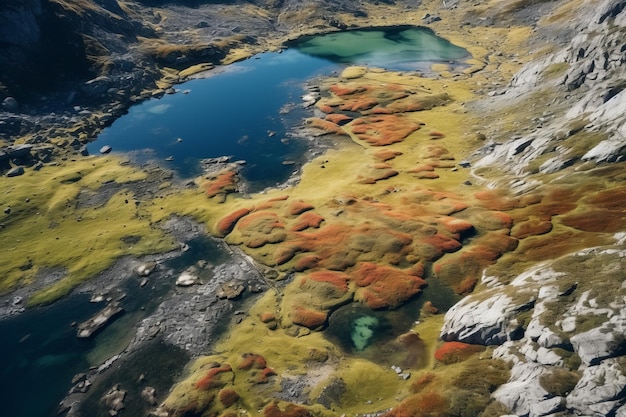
(575, 333)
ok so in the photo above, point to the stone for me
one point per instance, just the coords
(187, 278)
(230, 290)
(600, 390)
(145, 269)
(148, 394)
(88, 328)
(105, 149)
(15, 172)
(10, 104)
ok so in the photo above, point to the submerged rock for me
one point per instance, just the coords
(88, 328)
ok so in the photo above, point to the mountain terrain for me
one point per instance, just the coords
(501, 180)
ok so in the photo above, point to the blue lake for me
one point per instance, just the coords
(249, 109)
(246, 110)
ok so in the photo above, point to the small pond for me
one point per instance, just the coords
(249, 110)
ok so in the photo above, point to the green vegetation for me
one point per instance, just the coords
(47, 228)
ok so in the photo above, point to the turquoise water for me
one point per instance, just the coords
(406, 49)
(251, 108)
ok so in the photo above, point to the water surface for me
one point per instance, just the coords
(249, 109)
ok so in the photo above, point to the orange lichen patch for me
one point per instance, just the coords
(437, 152)
(306, 220)
(428, 403)
(223, 183)
(325, 126)
(383, 175)
(271, 203)
(421, 168)
(313, 319)
(531, 227)
(384, 287)
(252, 361)
(228, 397)
(338, 118)
(260, 228)
(358, 104)
(462, 269)
(422, 381)
(267, 316)
(289, 410)
(436, 135)
(227, 224)
(340, 246)
(325, 108)
(338, 280)
(454, 225)
(453, 352)
(263, 377)
(298, 207)
(212, 380)
(386, 155)
(490, 220)
(597, 220)
(383, 130)
(613, 199)
(347, 89)
(306, 262)
(417, 102)
(442, 243)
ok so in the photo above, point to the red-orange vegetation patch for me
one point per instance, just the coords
(383, 286)
(224, 183)
(337, 279)
(422, 381)
(305, 262)
(307, 220)
(531, 227)
(429, 403)
(386, 154)
(347, 89)
(382, 130)
(211, 379)
(613, 199)
(267, 316)
(379, 176)
(358, 104)
(289, 410)
(454, 225)
(453, 352)
(492, 220)
(597, 220)
(436, 134)
(325, 108)
(264, 375)
(271, 202)
(228, 397)
(443, 243)
(325, 126)
(437, 152)
(303, 316)
(298, 207)
(226, 224)
(260, 228)
(252, 361)
(338, 118)
(421, 168)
